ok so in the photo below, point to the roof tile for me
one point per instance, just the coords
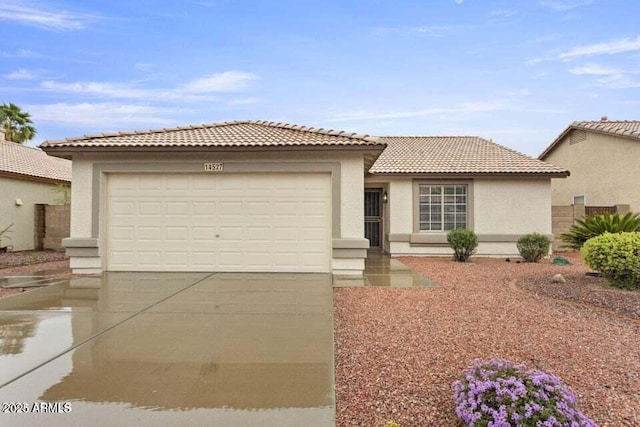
(624, 128)
(228, 134)
(22, 160)
(455, 154)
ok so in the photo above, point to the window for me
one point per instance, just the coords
(442, 207)
(578, 200)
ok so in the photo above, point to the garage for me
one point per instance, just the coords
(263, 222)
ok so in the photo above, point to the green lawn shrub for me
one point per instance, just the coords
(463, 242)
(533, 247)
(616, 257)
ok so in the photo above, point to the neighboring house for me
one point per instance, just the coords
(28, 177)
(259, 196)
(604, 160)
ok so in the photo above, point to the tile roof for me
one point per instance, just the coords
(624, 128)
(227, 134)
(21, 160)
(455, 154)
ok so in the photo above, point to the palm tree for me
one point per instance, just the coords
(17, 124)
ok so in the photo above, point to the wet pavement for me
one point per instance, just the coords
(171, 349)
(381, 270)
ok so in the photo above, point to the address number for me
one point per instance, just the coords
(214, 167)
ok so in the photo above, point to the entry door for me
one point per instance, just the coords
(373, 217)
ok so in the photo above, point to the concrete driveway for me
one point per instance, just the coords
(171, 349)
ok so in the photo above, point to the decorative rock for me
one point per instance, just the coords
(558, 278)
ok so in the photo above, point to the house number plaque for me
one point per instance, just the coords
(213, 167)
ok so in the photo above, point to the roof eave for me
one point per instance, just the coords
(67, 152)
(44, 179)
(558, 174)
(556, 141)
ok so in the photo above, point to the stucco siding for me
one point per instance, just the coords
(603, 169)
(500, 210)
(88, 215)
(512, 206)
(22, 217)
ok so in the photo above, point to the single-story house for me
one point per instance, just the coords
(261, 196)
(604, 159)
(28, 177)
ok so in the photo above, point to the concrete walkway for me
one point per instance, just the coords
(171, 349)
(383, 271)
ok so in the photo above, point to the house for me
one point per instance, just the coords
(604, 160)
(261, 196)
(28, 177)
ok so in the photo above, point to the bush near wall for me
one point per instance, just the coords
(463, 242)
(533, 247)
(616, 257)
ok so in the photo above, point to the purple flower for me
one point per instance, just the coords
(500, 393)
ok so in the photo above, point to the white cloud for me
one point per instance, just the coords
(519, 92)
(243, 101)
(564, 5)
(423, 30)
(101, 115)
(22, 74)
(20, 53)
(618, 81)
(594, 69)
(228, 81)
(605, 48)
(201, 89)
(503, 13)
(37, 15)
(458, 1)
(469, 107)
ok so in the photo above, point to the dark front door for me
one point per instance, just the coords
(373, 217)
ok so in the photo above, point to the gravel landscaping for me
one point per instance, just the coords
(399, 350)
(15, 259)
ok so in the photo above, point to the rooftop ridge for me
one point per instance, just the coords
(607, 127)
(432, 136)
(279, 125)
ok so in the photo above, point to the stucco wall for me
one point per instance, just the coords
(22, 217)
(502, 209)
(603, 169)
(351, 196)
(512, 206)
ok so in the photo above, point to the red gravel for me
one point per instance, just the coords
(399, 350)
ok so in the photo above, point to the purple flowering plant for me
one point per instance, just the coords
(500, 393)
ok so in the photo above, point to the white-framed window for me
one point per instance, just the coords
(578, 200)
(442, 207)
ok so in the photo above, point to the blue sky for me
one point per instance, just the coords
(517, 72)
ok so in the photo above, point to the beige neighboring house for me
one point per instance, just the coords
(604, 160)
(28, 176)
(273, 197)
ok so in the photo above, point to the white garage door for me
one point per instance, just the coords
(226, 222)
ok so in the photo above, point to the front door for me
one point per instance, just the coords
(373, 217)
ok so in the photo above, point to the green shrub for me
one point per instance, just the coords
(616, 257)
(533, 247)
(463, 242)
(592, 226)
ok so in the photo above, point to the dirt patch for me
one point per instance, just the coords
(398, 350)
(586, 290)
